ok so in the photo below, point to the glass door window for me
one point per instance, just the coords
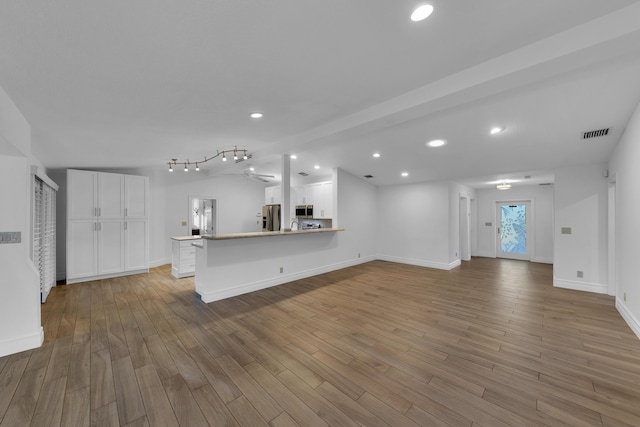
(512, 230)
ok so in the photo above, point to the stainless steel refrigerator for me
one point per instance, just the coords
(271, 218)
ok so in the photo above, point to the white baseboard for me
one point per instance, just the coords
(628, 317)
(278, 280)
(159, 262)
(106, 276)
(24, 343)
(420, 262)
(543, 260)
(597, 288)
(485, 254)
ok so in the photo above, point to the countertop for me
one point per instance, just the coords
(268, 234)
(185, 238)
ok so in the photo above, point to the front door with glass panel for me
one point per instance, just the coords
(513, 241)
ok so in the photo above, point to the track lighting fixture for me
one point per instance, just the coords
(223, 153)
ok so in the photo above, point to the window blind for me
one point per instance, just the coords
(44, 234)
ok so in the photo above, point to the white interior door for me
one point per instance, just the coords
(513, 231)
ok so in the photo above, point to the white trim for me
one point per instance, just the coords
(106, 276)
(486, 254)
(420, 262)
(27, 342)
(628, 317)
(597, 288)
(278, 280)
(159, 262)
(35, 170)
(543, 260)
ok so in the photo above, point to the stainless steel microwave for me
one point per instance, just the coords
(304, 211)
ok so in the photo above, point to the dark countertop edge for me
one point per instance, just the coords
(267, 234)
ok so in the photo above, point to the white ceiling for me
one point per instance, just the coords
(123, 84)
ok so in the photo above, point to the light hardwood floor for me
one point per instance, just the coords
(490, 343)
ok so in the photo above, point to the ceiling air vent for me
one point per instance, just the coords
(596, 133)
(546, 183)
(303, 173)
(368, 176)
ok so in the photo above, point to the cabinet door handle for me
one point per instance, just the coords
(125, 225)
(99, 226)
(125, 211)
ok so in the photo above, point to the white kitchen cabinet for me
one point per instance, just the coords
(107, 227)
(94, 194)
(110, 246)
(305, 195)
(82, 249)
(136, 248)
(183, 258)
(135, 196)
(323, 200)
(272, 195)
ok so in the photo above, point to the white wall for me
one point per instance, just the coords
(357, 214)
(413, 224)
(541, 197)
(623, 168)
(239, 199)
(227, 268)
(581, 204)
(20, 326)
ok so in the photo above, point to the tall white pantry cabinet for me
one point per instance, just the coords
(107, 225)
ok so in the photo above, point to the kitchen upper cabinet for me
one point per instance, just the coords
(305, 195)
(95, 194)
(272, 195)
(107, 225)
(135, 196)
(320, 195)
(323, 200)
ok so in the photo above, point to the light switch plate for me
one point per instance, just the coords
(10, 237)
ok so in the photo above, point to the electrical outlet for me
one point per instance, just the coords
(625, 296)
(281, 269)
(183, 223)
(580, 273)
(358, 254)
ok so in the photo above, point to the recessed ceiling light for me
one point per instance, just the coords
(252, 168)
(316, 167)
(405, 174)
(293, 156)
(376, 155)
(496, 129)
(437, 143)
(256, 115)
(422, 12)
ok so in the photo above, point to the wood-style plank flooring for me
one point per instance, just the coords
(490, 343)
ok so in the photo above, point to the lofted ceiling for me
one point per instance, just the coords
(133, 84)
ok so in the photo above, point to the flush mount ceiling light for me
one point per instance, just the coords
(437, 143)
(316, 167)
(422, 12)
(293, 156)
(235, 150)
(503, 186)
(405, 174)
(496, 130)
(256, 115)
(376, 155)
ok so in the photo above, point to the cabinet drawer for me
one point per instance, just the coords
(187, 253)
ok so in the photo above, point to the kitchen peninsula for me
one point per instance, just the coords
(233, 264)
